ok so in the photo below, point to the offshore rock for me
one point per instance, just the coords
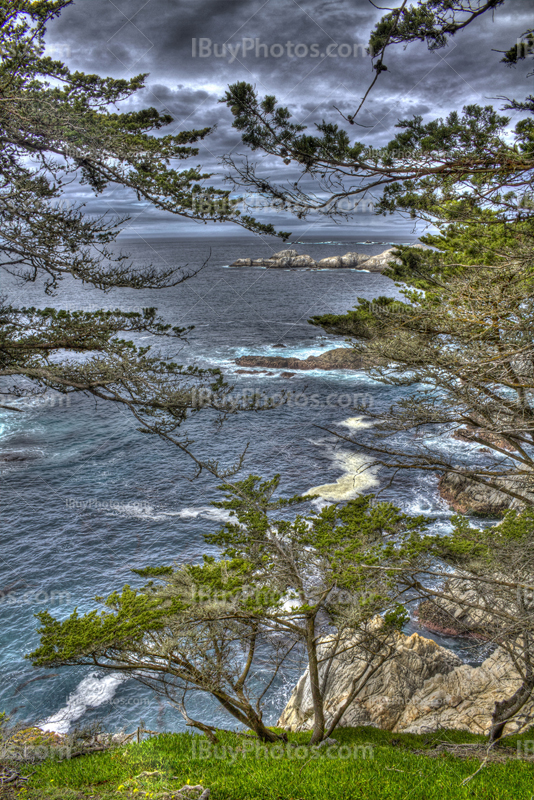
(303, 261)
(339, 358)
(466, 609)
(336, 262)
(380, 262)
(286, 254)
(463, 616)
(16, 455)
(376, 263)
(290, 259)
(333, 262)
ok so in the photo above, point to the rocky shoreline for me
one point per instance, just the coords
(424, 687)
(338, 358)
(290, 259)
(466, 496)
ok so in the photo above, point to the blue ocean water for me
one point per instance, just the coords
(86, 497)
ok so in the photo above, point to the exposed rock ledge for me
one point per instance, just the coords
(423, 688)
(339, 358)
(468, 497)
(286, 259)
(465, 615)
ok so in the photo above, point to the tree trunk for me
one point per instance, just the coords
(357, 685)
(255, 723)
(263, 733)
(249, 717)
(316, 693)
(506, 709)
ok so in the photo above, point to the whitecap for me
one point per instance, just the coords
(204, 512)
(358, 475)
(92, 692)
(145, 511)
(355, 423)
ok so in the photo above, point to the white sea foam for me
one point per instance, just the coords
(136, 510)
(146, 511)
(92, 692)
(204, 512)
(355, 423)
(357, 476)
(302, 350)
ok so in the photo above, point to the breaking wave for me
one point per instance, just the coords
(91, 692)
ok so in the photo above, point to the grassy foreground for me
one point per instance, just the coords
(368, 763)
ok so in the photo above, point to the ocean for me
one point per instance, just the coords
(86, 497)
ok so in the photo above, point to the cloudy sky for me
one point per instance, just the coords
(309, 53)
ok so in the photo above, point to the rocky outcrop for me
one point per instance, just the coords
(469, 497)
(423, 688)
(467, 606)
(16, 456)
(438, 619)
(348, 260)
(339, 358)
(376, 263)
(465, 615)
(380, 262)
(383, 700)
(464, 699)
(290, 259)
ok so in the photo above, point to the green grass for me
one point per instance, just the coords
(390, 769)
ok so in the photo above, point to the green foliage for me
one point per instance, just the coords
(336, 543)
(504, 548)
(380, 764)
(445, 170)
(518, 52)
(268, 127)
(433, 21)
(4, 719)
(58, 126)
(72, 640)
(155, 572)
(361, 322)
(263, 562)
(281, 580)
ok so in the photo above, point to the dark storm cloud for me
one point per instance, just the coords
(176, 43)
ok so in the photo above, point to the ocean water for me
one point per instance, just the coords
(86, 497)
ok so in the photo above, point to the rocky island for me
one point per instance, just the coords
(338, 358)
(290, 259)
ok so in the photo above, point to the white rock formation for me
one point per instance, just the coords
(464, 699)
(423, 688)
(386, 695)
(291, 259)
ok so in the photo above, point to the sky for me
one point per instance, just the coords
(310, 54)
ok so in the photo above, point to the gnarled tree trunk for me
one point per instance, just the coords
(506, 709)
